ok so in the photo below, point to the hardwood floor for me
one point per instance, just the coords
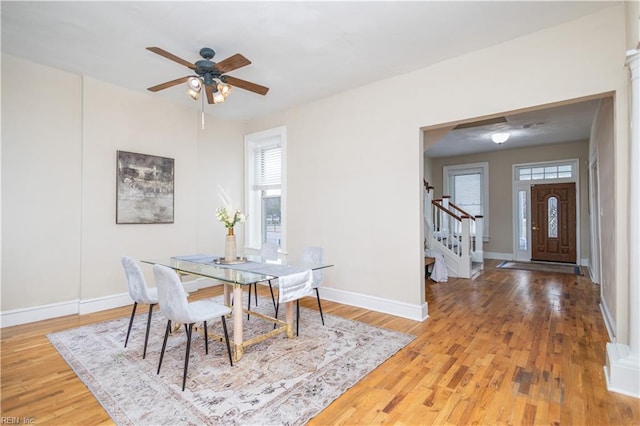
(509, 347)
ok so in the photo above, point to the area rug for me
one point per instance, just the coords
(279, 381)
(542, 267)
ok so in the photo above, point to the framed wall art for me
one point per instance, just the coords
(144, 188)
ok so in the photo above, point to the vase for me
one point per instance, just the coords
(230, 253)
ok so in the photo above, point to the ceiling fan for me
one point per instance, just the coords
(209, 74)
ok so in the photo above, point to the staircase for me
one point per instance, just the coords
(452, 232)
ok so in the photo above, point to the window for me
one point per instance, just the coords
(468, 186)
(523, 197)
(264, 187)
(546, 172)
(552, 217)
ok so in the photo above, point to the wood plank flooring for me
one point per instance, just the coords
(509, 347)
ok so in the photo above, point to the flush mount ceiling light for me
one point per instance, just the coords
(500, 137)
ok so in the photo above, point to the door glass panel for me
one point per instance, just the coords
(522, 220)
(552, 217)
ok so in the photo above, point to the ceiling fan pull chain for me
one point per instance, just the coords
(202, 112)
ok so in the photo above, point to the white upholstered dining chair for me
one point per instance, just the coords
(268, 251)
(293, 287)
(175, 307)
(315, 255)
(140, 294)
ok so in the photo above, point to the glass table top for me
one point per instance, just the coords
(254, 269)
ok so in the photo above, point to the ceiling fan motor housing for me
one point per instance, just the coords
(207, 70)
(207, 52)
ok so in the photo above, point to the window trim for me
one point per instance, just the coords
(251, 142)
(459, 169)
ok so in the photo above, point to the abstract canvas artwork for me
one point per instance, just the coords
(144, 188)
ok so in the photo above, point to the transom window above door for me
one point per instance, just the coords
(545, 172)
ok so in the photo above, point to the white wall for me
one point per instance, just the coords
(41, 186)
(61, 243)
(355, 159)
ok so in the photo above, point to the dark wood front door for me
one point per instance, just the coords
(553, 222)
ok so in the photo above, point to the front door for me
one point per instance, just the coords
(553, 222)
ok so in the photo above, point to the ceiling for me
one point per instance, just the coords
(302, 51)
(559, 124)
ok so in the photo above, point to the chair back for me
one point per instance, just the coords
(269, 251)
(314, 255)
(135, 280)
(294, 286)
(171, 295)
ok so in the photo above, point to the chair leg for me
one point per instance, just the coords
(206, 339)
(133, 313)
(146, 336)
(164, 344)
(249, 302)
(186, 357)
(319, 305)
(226, 339)
(277, 305)
(273, 299)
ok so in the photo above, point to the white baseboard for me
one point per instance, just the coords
(81, 307)
(86, 306)
(622, 370)
(498, 256)
(38, 313)
(392, 307)
(609, 323)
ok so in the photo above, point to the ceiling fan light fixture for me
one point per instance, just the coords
(194, 83)
(218, 98)
(500, 137)
(194, 87)
(224, 88)
(194, 94)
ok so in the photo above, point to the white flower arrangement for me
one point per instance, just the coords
(230, 219)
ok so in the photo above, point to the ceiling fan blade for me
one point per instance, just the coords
(171, 56)
(246, 85)
(169, 84)
(209, 91)
(232, 63)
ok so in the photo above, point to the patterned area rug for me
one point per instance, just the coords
(542, 267)
(278, 381)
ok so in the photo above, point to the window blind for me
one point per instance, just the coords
(268, 167)
(467, 192)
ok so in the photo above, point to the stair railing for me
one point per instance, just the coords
(449, 228)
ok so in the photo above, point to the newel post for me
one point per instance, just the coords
(479, 246)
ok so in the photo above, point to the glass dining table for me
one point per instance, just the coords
(236, 276)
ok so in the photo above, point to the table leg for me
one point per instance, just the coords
(289, 314)
(237, 322)
(227, 294)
